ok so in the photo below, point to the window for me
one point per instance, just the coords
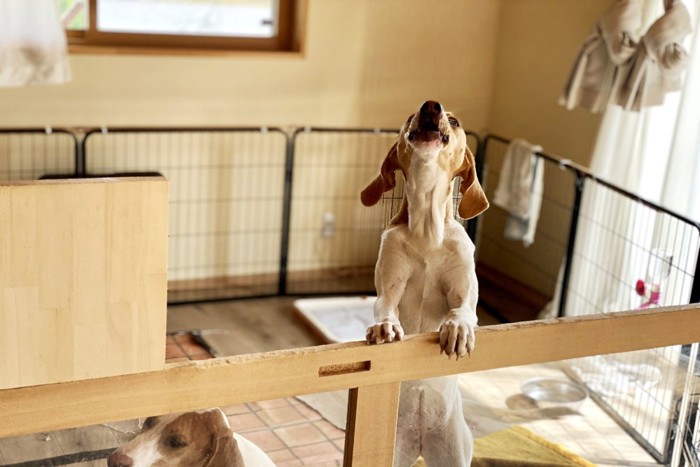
(182, 24)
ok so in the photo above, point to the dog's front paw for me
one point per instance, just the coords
(388, 330)
(457, 337)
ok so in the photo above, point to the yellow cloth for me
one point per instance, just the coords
(518, 446)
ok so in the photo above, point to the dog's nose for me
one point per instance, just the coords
(117, 459)
(431, 107)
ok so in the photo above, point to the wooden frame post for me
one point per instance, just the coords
(374, 406)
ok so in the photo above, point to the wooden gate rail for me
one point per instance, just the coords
(372, 373)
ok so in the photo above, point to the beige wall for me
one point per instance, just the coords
(366, 62)
(538, 41)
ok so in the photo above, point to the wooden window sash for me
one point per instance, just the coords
(287, 39)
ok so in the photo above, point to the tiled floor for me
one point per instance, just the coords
(590, 433)
(289, 432)
(183, 346)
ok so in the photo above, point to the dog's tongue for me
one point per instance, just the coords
(426, 136)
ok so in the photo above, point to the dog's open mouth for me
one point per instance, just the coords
(428, 130)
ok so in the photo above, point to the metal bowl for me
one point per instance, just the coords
(547, 392)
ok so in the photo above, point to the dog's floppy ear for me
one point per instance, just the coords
(474, 200)
(225, 452)
(385, 181)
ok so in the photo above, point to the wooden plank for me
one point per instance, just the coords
(82, 278)
(234, 380)
(377, 407)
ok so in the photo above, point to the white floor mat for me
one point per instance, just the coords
(338, 319)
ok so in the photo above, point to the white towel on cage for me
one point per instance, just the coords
(519, 190)
(33, 46)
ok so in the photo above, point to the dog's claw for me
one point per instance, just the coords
(386, 331)
(456, 338)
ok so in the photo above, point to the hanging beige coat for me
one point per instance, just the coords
(610, 45)
(657, 65)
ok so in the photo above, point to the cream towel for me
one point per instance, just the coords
(519, 190)
(32, 43)
(656, 67)
(610, 45)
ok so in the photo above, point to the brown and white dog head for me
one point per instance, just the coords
(192, 439)
(431, 135)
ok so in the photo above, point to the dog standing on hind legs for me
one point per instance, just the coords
(425, 277)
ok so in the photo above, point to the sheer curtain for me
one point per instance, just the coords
(32, 43)
(681, 190)
(654, 153)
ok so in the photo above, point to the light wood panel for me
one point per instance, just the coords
(82, 279)
(234, 380)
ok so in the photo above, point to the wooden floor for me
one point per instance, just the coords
(270, 323)
(250, 326)
(256, 325)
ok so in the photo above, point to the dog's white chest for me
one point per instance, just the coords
(430, 268)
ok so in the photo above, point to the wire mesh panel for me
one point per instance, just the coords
(29, 154)
(685, 434)
(632, 255)
(334, 239)
(629, 254)
(609, 251)
(226, 201)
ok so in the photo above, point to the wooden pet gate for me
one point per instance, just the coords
(372, 374)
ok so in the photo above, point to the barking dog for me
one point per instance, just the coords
(425, 277)
(190, 439)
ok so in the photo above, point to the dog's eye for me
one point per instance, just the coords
(148, 423)
(453, 121)
(175, 442)
(445, 139)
